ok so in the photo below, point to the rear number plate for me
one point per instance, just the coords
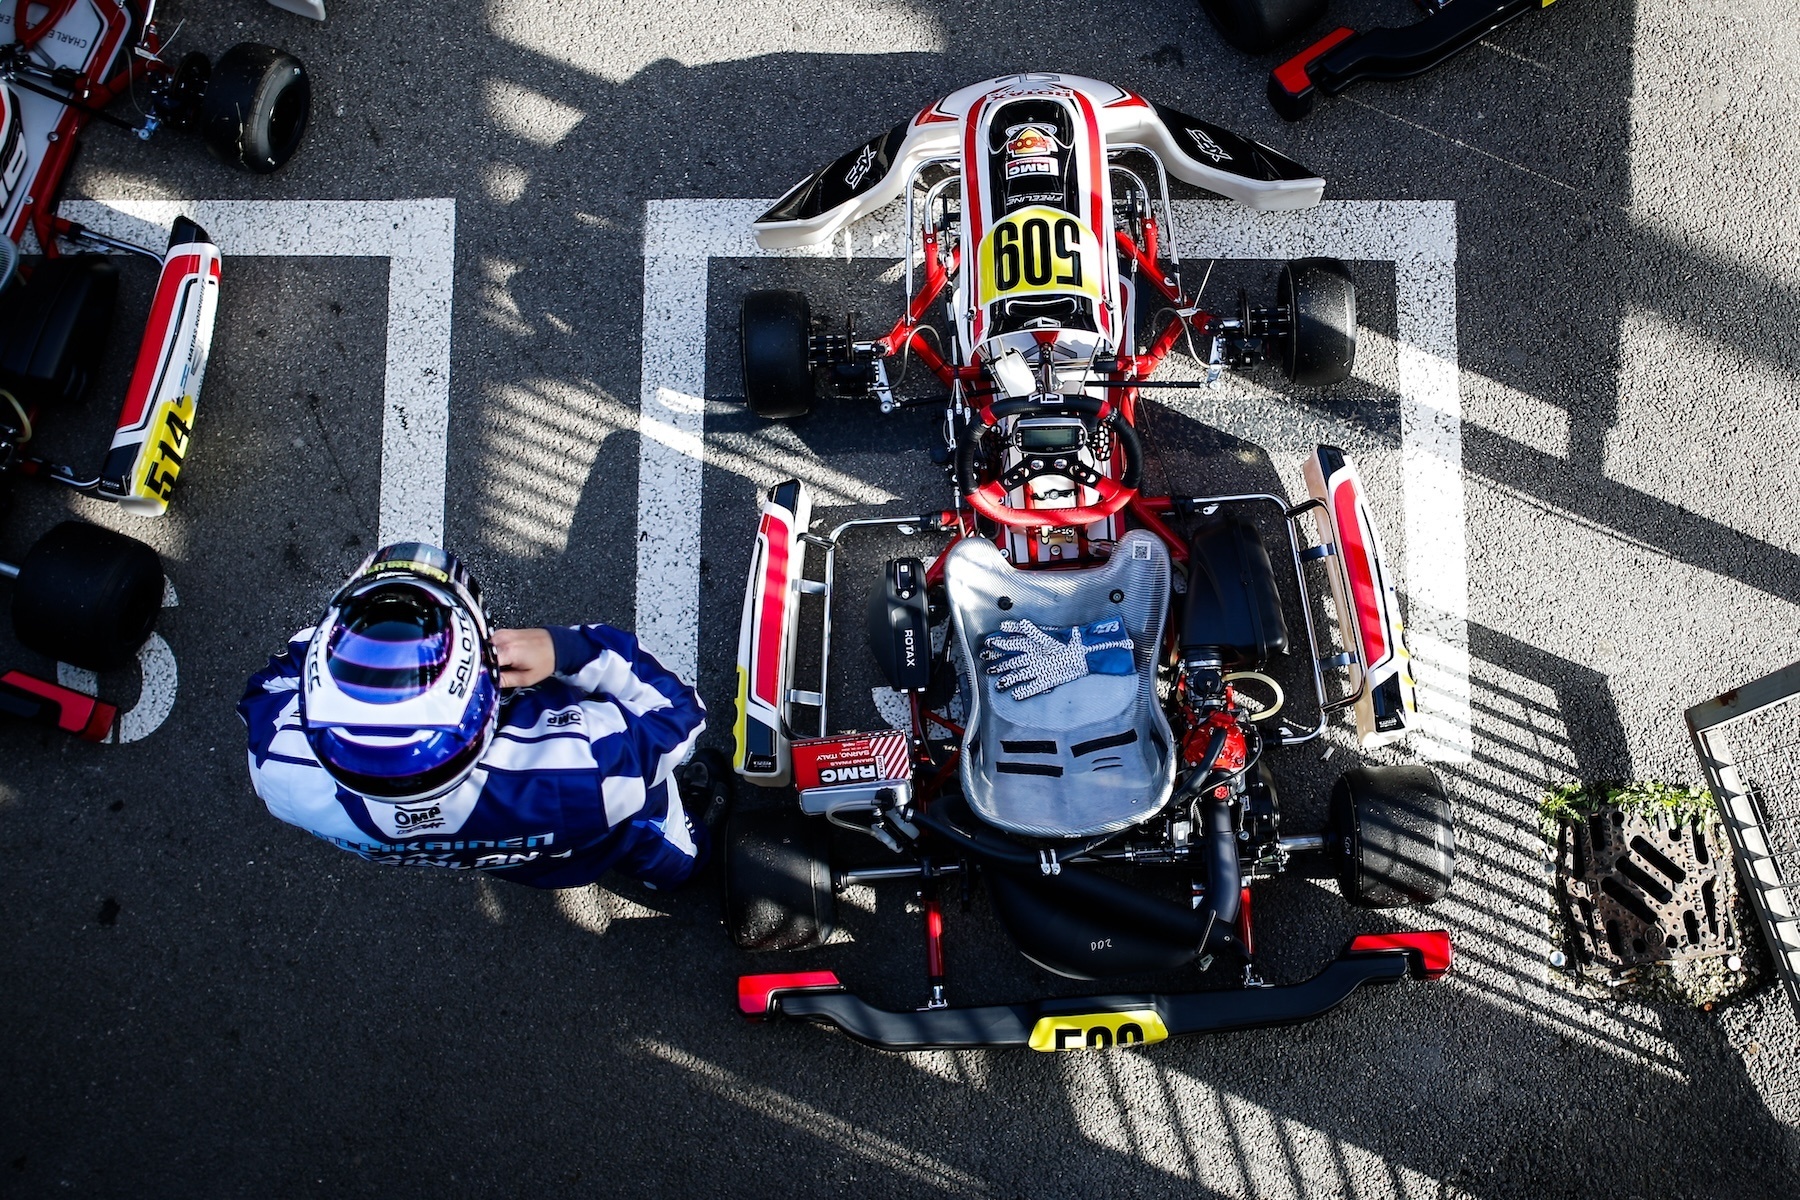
(1098, 1031)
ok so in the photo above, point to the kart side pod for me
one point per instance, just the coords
(157, 417)
(765, 669)
(1368, 607)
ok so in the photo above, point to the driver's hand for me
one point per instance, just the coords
(527, 656)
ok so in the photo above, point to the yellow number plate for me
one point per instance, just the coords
(160, 456)
(1098, 1031)
(1038, 250)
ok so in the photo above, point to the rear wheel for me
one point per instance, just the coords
(778, 892)
(1258, 26)
(254, 110)
(87, 596)
(1393, 835)
(1320, 345)
(776, 336)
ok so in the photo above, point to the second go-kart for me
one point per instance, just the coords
(83, 594)
(1343, 57)
(1091, 676)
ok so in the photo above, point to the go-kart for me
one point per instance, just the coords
(1089, 675)
(85, 595)
(1344, 56)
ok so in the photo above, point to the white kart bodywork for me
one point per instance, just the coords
(1125, 120)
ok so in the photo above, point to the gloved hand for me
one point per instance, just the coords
(1028, 660)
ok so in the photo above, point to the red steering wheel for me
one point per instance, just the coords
(989, 499)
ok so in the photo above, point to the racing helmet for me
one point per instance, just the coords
(401, 687)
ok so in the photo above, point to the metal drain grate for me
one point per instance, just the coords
(1637, 890)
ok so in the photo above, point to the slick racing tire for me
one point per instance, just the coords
(1319, 348)
(254, 110)
(1258, 26)
(87, 596)
(778, 892)
(1393, 835)
(776, 336)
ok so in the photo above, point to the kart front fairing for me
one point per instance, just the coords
(874, 174)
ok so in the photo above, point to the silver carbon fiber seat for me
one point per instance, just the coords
(1087, 757)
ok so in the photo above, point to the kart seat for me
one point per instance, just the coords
(1091, 755)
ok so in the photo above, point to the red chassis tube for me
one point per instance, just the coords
(89, 95)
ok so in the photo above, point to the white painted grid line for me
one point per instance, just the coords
(418, 238)
(1417, 236)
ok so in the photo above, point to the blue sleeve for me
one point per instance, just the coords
(271, 692)
(664, 714)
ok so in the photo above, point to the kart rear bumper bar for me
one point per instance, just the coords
(1098, 1022)
(33, 699)
(1344, 57)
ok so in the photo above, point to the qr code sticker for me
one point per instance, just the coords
(1140, 550)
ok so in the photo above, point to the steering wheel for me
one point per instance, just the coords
(989, 499)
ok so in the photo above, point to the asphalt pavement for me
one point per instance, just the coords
(198, 1000)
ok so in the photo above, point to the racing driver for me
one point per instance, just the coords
(404, 731)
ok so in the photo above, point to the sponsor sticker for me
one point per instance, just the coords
(859, 170)
(1021, 167)
(1030, 141)
(1206, 147)
(859, 758)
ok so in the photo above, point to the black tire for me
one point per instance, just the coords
(1320, 348)
(1394, 836)
(1258, 26)
(254, 110)
(87, 596)
(778, 892)
(775, 334)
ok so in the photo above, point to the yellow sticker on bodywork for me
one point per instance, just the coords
(160, 456)
(1039, 250)
(1098, 1031)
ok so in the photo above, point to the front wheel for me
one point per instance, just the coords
(1258, 26)
(87, 596)
(1393, 835)
(255, 107)
(1319, 347)
(778, 893)
(775, 335)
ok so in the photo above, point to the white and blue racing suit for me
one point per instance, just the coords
(578, 779)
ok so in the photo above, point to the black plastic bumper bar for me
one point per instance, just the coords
(1098, 1022)
(1344, 57)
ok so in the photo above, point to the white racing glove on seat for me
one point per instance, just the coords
(1028, 660)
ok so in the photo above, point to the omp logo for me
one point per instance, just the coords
(419, 818)
(859, 170)
(849, 774)
(1205, 145)
(558, 720)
